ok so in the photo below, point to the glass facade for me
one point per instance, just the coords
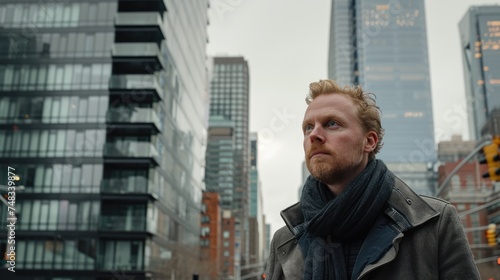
(255, 192)
(342, 50)
(480, 39)
(229, 102)
(219, 170)
(229, 99)
(256, 215)
(104, 120)
(382, 46)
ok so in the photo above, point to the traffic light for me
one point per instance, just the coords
(492, 159)
(491, 235)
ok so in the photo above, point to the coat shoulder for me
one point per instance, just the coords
(437, 203)
(282, 235)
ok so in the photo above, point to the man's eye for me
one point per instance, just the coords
(331, 123)
(308, 127)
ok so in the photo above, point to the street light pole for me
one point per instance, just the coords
(486, 141)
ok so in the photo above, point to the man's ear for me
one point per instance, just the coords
(371, 141)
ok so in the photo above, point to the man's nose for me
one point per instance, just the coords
(317, 134)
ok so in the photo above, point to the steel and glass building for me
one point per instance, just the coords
(102, 116)
(255, 196)
(480, 44)
(229, 106)
(256, 217)
(229, 100)
(382, 46)
(219, 169)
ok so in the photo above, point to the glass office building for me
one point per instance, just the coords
(229, 101)
(255, 198)
(102, 116)
(480, 43)
(219, 168)
(382, 46)
(256, 214)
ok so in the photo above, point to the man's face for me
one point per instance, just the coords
(335, 145)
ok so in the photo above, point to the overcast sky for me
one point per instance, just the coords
(285, 44)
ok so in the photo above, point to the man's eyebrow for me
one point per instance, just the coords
(322, 118)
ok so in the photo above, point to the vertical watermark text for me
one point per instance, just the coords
(11, 219)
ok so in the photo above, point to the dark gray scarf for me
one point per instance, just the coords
(331, 219)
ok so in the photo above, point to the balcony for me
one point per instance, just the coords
(137, 50)
(138, 19)
(131, 149)
(137, 58)
(129, 186)
(123, 223)
(136, 83)
(139, 27)
(134, 115)
(141, 6)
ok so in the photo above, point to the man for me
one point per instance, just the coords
(356, 219)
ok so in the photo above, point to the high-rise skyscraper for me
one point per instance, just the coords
(229, 115)
(219, 169)
(229, 100)
(102, 116)
(256, 217)
(255, 202)
(382, 46)
(480, 42)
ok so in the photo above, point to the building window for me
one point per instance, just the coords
(225, 234)
(122, 255)
(57, 215)
(205, 219)
(205, 242)
(205, 231)
(72, 254)
(460, 207)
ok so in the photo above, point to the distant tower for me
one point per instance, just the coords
(229, 102)
(219, 168)
(382, 46)
(480, 42)
(256, 217)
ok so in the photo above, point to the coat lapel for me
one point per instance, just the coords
(291, 260)
(407, 210)
(410, 205)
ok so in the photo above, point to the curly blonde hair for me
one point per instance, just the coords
(368, 111)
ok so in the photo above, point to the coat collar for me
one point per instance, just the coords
(293, 217)
(411, 210)
(410, 205)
